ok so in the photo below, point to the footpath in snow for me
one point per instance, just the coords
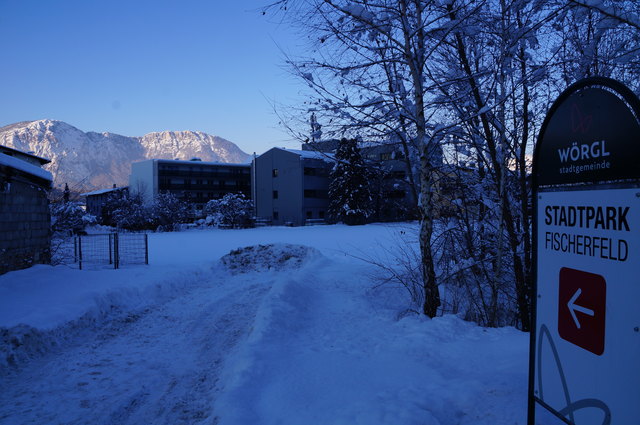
(286, 335)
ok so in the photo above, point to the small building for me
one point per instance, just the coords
(25, 221)
(96, 200)
(193, 181)
(291, 186)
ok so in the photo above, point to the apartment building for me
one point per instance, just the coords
(291, 187)
(194, 181)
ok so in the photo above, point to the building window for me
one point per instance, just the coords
(274, 172)
(385, 156)
(309, 214)
(275, 215)
(309, 171)
(316, 193)
(275, 194)
(321, 214)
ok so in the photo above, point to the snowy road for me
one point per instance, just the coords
(159, 367)
(300, 336)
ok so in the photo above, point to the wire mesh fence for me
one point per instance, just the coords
(111, 249)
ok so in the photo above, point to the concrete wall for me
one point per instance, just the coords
(25, 222)
(144, 179)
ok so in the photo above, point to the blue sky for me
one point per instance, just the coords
(132, 67)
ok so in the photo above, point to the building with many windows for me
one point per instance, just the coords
(291, 186)
(194, 181)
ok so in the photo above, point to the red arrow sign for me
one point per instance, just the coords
(581, 309)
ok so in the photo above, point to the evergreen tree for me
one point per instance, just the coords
(66, 194)
(349, 192)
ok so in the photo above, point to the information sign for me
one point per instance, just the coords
(585, 344)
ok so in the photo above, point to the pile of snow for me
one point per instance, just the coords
(276, 257)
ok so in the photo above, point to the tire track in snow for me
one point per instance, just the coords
(160, 367)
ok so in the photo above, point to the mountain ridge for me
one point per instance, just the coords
(93, 160)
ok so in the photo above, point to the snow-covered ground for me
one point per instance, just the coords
(277, 334)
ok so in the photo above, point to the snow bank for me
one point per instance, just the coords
(43, 307)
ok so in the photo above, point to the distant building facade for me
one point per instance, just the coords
(25, 221)
(393, 195)
(291, 186)
(96, 200)
(193, 181)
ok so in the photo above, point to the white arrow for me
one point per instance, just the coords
(573, 307)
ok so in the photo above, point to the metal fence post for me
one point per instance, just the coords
(75, 249)
(110, 253)
(116, 252)
(80, 251)
(146, 250)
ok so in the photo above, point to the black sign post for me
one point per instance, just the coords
(585, 342)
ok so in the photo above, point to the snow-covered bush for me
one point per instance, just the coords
(69, 217)
(167, 211)
(232, 210)
(132, 213)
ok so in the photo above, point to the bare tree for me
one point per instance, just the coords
(464, 83)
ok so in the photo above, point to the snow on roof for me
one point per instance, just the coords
(40, 159)
(101, 191)
(310, 154)
(25, 167)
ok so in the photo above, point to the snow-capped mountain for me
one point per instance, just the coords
(92, 160)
